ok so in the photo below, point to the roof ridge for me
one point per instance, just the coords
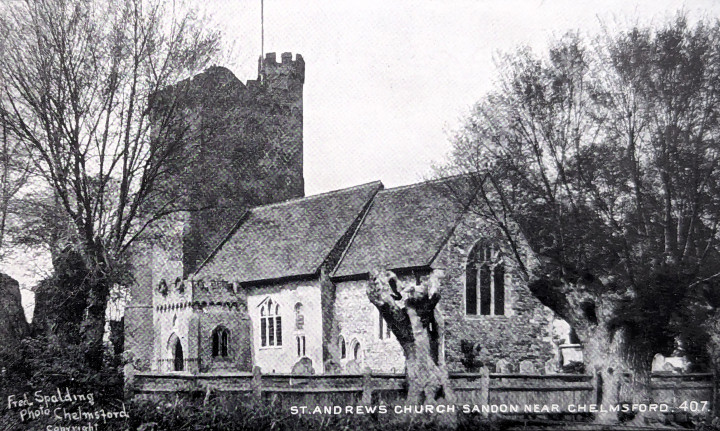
(221, 244)
(331, 192)
(368, 208)
(430, 181)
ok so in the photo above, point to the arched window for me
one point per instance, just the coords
(299, 317)
(300, 345)
(270, 324)
(356, 351)
(341, 345)
(220, 342)
(485, 281)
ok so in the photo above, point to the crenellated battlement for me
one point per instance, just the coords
(274, 72)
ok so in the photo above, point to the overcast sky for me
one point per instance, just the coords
(387, 81)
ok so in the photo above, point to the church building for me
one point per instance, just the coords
(284, 286)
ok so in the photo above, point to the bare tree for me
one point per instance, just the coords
(79, 83)
(412, 315)
(602, 158)
(15, 170)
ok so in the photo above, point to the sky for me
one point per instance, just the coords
(387, 82)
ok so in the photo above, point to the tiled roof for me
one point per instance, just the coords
(287, 239)
(405, 227)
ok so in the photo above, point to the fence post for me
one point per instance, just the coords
(714, 392)
(484, 387)
(366, 387)
(256, 383)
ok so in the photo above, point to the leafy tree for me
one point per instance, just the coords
(77, 84)
(601, 158)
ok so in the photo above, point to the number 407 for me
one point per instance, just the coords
(694, 406)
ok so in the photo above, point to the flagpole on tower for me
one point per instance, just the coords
(262, 28)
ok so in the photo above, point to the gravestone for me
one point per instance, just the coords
(503, 366)
(303, 367)
(551, 366)
(332, 367)
(658, 362)
(527, 367)
(353, 367)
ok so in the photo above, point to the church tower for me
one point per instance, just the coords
(242, 147)
(278, 94)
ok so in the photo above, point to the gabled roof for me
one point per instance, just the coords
(288, 239)
(405, 227)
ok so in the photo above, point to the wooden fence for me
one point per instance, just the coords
(474, 389)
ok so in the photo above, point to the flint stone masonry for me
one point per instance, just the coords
(358, 322)
(524, 332)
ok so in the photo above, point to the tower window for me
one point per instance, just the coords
(485, 281)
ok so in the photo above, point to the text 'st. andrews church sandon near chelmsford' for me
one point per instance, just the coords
(278, 280)
(222, 253)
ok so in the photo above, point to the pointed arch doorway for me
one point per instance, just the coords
(176, 350)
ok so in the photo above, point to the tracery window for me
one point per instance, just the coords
(270, 324)
(485, 281)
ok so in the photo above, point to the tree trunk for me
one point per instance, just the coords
(427, 376)
(712, 327)
(589, 306)
(617, 379)
(92, 328)
(410, 311)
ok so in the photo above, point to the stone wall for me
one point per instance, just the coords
(357, 320)
(156, 257)
(174, 315)
(523, 333)
(234, 318)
